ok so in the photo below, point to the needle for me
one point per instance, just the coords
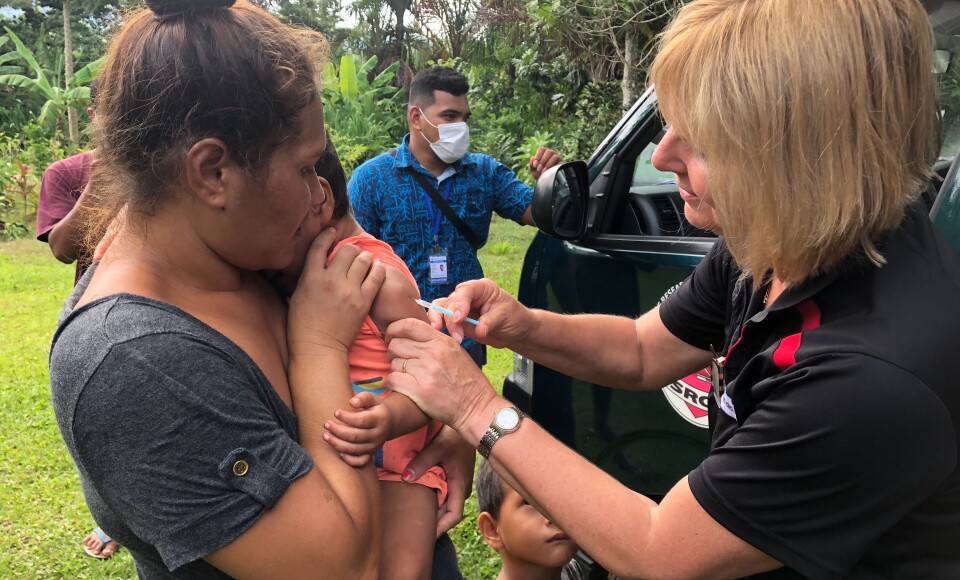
(446, 311)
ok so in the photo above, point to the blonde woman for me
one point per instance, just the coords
(802, 132)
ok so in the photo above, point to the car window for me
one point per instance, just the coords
(625, 130)
(946, 67)
(645, 174)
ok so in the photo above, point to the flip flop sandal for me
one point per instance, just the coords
(103, 538)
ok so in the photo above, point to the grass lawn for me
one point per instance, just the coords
(43, 516)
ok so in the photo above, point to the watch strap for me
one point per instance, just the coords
(494, 433)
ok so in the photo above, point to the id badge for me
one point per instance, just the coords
(438, 265)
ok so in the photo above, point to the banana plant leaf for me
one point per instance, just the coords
(367, 67)
(51, 112)
(27, 55)
(330, 79)
(348, 78)
(18, 80)
(88, 73)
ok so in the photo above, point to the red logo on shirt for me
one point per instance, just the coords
(689, 397)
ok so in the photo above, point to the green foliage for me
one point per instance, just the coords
(596, 111)
(501, 248)
(320, 15)
(59, 96)
(14, 231)
(23, 159)
(365, 117)
(527, 149)
(348, 78)
(478, 561)
(536, 103)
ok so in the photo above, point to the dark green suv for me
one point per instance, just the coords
(614, 240)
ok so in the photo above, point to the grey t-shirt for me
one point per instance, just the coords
(180, 440)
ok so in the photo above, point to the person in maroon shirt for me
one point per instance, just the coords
(59, 224)
(59, 213)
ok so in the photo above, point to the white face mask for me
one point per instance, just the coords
(453, 142)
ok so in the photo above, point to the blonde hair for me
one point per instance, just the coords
(817, 119)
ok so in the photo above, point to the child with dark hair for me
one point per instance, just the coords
(530, 546)
(390, 429)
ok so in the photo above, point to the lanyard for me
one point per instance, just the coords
(436, 216)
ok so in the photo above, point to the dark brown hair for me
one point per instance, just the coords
(179, 72)
(436, 78)
(330, 168)
(490, 490)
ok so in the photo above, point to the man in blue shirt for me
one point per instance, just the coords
(390, 199)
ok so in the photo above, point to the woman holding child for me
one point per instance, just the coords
(802, 132)
(191, 397)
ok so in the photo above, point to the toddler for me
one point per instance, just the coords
(390, 428)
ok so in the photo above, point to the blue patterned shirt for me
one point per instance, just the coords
(391, 206)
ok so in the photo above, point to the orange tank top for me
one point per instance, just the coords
(368, 354)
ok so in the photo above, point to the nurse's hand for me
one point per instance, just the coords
(434, 371)
(331, 301)
(503, 321)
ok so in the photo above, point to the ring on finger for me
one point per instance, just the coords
(403, 367)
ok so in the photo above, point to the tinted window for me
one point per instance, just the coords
(946, 27)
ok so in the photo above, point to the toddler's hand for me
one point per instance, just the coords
(361, 431)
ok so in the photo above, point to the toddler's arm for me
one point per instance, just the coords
(394, 302)
(372, 421)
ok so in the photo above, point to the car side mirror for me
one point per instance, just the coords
(559, 204)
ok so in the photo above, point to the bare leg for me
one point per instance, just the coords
(409, 530)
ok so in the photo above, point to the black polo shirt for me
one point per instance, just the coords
(835, 441)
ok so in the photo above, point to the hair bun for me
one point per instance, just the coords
(173, 8)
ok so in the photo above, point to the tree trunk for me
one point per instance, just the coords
(400, 10)
(73, 128)
(629, 84)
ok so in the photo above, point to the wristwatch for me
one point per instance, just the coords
(506, 420)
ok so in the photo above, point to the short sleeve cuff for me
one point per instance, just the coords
(712, 502)
(682, 331)
(261, 483)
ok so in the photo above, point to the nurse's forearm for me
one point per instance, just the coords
(615, 351)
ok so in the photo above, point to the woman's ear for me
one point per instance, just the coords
(210, 173)
(490, 530)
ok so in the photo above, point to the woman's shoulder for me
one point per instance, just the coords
(127, 347)
(124, 317)
(126, 333)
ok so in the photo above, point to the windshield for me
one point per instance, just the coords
(645, 174)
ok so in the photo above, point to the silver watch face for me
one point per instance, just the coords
(507, 418)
